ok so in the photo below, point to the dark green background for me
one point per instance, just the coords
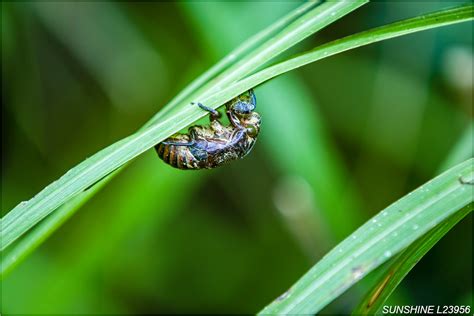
(341, 139)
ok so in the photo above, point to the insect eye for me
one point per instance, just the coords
(252, 131)
(244, 107)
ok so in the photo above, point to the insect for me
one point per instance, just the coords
(207, 147)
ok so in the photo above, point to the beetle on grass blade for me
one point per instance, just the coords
(207, 147)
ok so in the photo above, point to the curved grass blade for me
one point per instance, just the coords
(233, 56)
(391, 277)
(386, 234)
(94, 251)
(301, 28)
(318, 165)
(27, 214)
(404, 27)
(51, 223)
(23, 247)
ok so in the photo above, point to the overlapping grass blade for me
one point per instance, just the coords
(50, 224)
(236, 54)
(386, 234)
(27, 214)
(308, 24)
(404, 27)
(391, 276)
(23, 247)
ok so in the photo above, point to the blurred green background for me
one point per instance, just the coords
(341, 139)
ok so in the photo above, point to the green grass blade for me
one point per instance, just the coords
(131, 217)
(26, 214)
(318, 163)
(49, 225)
(301, 28)
(391, 277)
(23, 247)
(404, 27)
(386, 234)
(236, 54)
(297, 31)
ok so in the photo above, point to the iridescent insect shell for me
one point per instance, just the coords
(213, 145)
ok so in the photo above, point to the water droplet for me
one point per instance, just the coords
(379, 225)
(283, 296)
(340, 251)
(387, 253)
(415, 227)
(374, 221)
(384, 213)
(354, 236)
(357, 273)
(395, 234)
(333, 13)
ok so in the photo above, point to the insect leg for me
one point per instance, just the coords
(191, 143)
(214, 114)
(234, 120)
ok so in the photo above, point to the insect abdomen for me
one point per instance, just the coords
(176, 156)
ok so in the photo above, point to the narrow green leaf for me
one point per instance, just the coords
(404, 27)
(23, 247)
(386, 234)
(391, 277)
(318, 164)
(130, 219)
(46, 227)
(49, 225)
(237, 54)
(27, 214)
(308, 24)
